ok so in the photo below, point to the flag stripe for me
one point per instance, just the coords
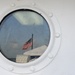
(27, 45)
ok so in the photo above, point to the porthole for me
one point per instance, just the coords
(29, 39)
(24, 36)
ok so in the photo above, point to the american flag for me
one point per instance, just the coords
(28, 44)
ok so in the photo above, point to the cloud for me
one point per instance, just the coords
(28, 18)
(14, 45)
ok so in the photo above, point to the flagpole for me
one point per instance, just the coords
(32, 42)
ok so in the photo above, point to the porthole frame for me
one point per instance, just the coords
(48, 55)
(20, 10)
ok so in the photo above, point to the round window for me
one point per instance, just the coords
(24, 36)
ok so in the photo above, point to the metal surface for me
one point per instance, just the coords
(62, 16)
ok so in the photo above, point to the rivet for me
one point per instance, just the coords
(33, 4)
(32, 68)
(51, 14)
(50, 56)
(13, 4)
(10, 68)
(57, 35)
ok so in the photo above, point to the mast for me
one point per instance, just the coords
(32, 42)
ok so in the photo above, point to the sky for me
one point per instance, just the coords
(18, 28)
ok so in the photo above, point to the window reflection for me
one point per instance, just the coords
(24, 36)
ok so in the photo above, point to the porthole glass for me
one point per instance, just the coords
(24, 36)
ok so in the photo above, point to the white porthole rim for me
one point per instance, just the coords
(37, 12)
(48, 50)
